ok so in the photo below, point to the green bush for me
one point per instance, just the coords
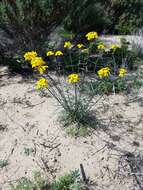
(68, 182)
(113, 16)
(16, 65)
(96, 59)
(126, 15)
(106, 86)
(123, 56)
(86, 15)
(30, 21)
(37, 183)
(129, 84)
(27, 23)
(3, 163)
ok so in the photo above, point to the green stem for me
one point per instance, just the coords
(75, 97)
(71, 60)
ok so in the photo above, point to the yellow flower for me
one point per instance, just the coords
(30, 55)
(42, 69)
(101, 46)
(67, 44)
(49, 53)
(104, 72)
(59, 53)
(73, 78)
(91, 35)
(114, 46)
(122, 72)
(80, 46)
(37, 61)
(41, 83)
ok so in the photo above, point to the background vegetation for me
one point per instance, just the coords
(28, 23)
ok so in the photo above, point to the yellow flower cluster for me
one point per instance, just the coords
(67, 44)
(114, 46)
(40, 65)
(41, 83)
(104, 72)
(122, 72)
(57, 53)
(42, 69)
(73, 78)
(37, 62)
(101, 46)
(91, 35)
(80, 46)
(30, 55)
(50, 53)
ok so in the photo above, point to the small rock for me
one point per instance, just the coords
(135, 143)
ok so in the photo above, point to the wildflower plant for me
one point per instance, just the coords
(77, 67)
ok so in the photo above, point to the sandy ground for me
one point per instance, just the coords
(29, 122)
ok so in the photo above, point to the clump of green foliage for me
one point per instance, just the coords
(29, 20)
(127, 15)
(38, 183)
(112, 16)
(85, 11)
(3, 163)
(29, 23)
(69, 181)
(29, 151)
(128, 85)
(15, 64)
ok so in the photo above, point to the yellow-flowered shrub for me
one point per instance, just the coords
(68, 84)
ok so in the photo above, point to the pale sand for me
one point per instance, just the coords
(37, 127)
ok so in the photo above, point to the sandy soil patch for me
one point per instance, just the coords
(31, 138)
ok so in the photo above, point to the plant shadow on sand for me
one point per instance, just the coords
(87, 125)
